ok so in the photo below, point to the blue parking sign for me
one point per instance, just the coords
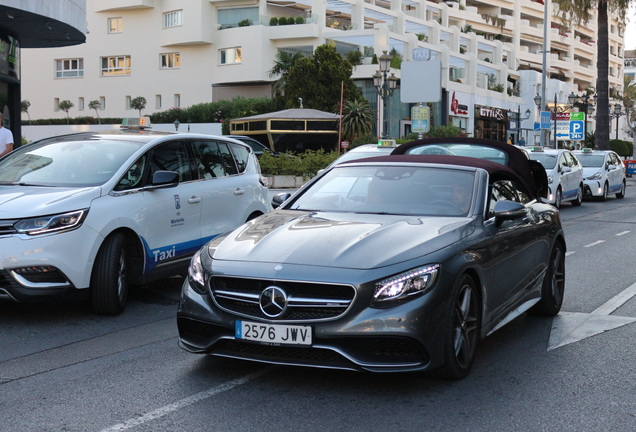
(545, 119)
(577, 130)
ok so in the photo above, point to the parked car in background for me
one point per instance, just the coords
(392, 263)
(92, 213)
(565, 174)
(603, 173)
(258, 147)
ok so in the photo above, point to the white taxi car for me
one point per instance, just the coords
(603, 173)
(565, 174)
(92, 213)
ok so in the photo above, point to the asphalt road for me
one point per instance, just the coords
(64, 369)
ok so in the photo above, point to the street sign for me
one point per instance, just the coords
(577, 130)
(537, 126)
(420, 116)
(545, 119)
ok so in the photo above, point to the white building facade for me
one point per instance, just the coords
(177, 53)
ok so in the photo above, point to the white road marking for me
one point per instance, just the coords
(597, 242)
(167, 409)
(567, 254)
(622, 233)
(570, 327)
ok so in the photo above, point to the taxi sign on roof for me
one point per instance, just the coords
(135, 123)
(387, 143)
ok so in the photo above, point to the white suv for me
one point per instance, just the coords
(92, 213)
(565, 174)
(603, 173)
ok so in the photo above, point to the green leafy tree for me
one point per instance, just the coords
(95, 105)
(65, 106)
(580, 12)
(317, 80)
(138, 103)
(357, 119)
(25, 107)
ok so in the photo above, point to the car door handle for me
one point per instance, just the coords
(194, 200)
(239, 191)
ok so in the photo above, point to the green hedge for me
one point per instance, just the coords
(303, 164)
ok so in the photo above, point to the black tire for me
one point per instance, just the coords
(621, 194)
(462, 331)
(605, 192)
(109, 280)
(557, 198)
(579, 197)
(553, 285)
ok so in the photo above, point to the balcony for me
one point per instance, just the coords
(114, 5)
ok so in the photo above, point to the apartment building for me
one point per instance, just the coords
(177, 53)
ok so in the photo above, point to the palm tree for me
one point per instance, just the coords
(25, 108)
(580, 12)
(285, 61)
(357, 119)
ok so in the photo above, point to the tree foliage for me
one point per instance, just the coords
(138, 103)
(317, 81)
(95, 105)
(357, 119)
(580, 12)
(25, 104)
(65, 106)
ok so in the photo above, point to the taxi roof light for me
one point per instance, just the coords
(135, 123)
(387, 143)
(536, 149)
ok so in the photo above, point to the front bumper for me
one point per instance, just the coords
(54, 266)
(407, 337)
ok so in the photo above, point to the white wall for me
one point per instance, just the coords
(34, 133)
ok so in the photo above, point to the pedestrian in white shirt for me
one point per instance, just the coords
(6, 139)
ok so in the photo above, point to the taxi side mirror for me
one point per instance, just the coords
(164, 179)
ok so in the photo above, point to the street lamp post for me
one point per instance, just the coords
(518, 128)
(618, 111)
(554, 110)
(586, 103)
(385, 85)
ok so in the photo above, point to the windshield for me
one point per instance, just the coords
(589, 161)
(404, 190)
(460, 149)
(65, 163)
(548, 161)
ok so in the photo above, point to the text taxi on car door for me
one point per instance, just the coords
(565, 174)
(603, 173)
(94, 212)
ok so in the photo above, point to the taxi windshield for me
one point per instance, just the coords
(65, 163)
(589, 161)
(548, 161)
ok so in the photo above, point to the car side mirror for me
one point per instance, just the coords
(280, 198)
(508, 210)
(566, 169)
(611, 167)
(164, 179)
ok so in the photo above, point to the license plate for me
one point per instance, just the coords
(273, 333)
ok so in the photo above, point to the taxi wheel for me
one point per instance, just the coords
(579, 197)
(462, 331)
(605, 192)
(557, 198)
(553, 285)
(109, 281)
(621, 194)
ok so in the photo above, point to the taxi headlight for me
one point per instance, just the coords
(51, 223)
(550, 178)
(596, 176)
(196, 273)
(403, 285)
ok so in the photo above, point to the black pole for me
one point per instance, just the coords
(555, 121)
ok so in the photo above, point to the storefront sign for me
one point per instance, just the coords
(457, 109)
(492, 113)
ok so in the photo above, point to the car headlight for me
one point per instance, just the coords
(196, 273)
(550, 178)
(51, 223)
(403, 285)
(596, 176)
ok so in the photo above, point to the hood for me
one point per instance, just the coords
(28, 201)
(589, 171)
(356, 241)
